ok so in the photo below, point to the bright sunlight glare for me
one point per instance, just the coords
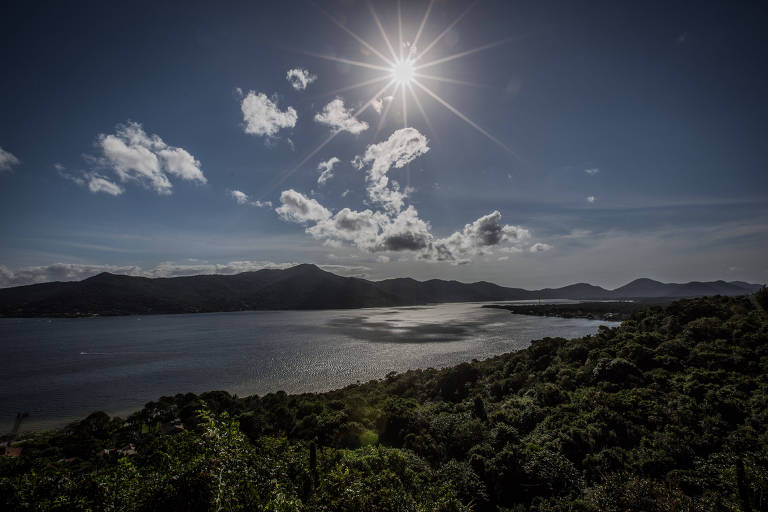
(400, 76)
(403, 71)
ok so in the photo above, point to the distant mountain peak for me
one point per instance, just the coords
(100, 276)
(304, 267)
(644, 280)
(304, 286)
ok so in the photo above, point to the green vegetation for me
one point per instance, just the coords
(666, 412)
(613, 311)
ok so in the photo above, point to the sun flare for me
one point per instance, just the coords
(402, 68)
(403, 71)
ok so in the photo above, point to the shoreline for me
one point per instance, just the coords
(34, 425)
(267, 310)
(610, 311)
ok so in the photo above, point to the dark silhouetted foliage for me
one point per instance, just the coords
(666, 412)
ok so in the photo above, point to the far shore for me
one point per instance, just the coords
(613, 311)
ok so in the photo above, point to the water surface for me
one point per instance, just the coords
(63, 369)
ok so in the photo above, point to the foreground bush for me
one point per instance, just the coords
(666, 412)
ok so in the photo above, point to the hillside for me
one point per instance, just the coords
(666, 412)
(299, 287)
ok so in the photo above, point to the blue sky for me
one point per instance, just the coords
(597, 143)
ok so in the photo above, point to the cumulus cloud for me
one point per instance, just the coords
(263, 117)
(378, 103)
(7, 161)
(300, 78)
(400, 149)
(339, 118)
(240, 197)
(396, 227)
(179, 162)
(76, 272)
(540, 247)
(99, 184)
(378, 232)
(374, 231)
(591, 199)
(243, 199)
(592, 171)
(359, 228)
(296, 207)
(477, 237)
(135, 156)
(405, 232)
(326, 170)
(94, 181)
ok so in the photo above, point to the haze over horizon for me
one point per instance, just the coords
(541, 145)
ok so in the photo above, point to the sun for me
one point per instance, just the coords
(405, 69)
(403, 72)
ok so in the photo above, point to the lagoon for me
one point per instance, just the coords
(60, 370)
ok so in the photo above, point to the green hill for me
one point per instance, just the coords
(301, 287)
(666, 412)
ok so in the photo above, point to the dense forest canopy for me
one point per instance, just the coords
(666, 412)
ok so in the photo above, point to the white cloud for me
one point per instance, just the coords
(400, 149)
(297, 207)
(7, 161)
(378, 103)
(359, 228)
(378, 232)
(99, 184)
(240, 197)
(76, 272)
(339, 118)
(93, 180)
(135, 156)
(396, 227)
(80, 180)
(243, 199)
(180, 163)
(326, 170)
(374, 231)
(592, 171)
(540, 247)
(478, 238)
(345, 193)
(405, 232)
(591, 199)
(263, 117)
(300, 78)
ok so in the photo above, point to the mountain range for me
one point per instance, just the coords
(302, 287)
